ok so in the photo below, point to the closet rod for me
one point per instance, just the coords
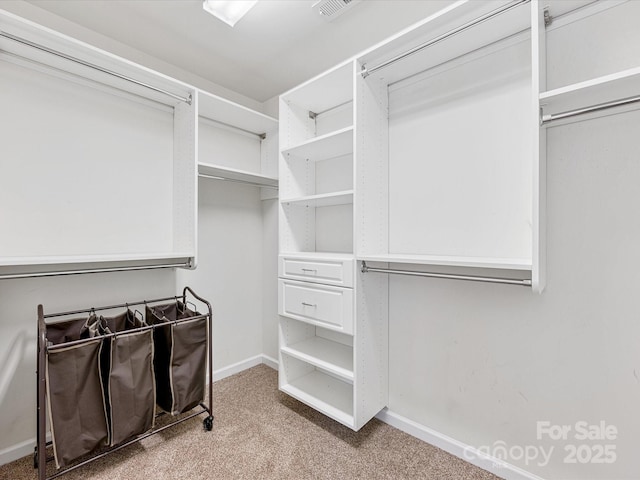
(10, 276)
(93, 66)
(246, 182)
(509, 281)
(261, 136)
(365, 72)
(313, 115)
(594, 108)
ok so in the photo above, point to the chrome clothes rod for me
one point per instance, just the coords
(508, 281)
(11, 276)
(261, 136)
(93, 66)
(245, 182)
(505, 8)
(594, 108)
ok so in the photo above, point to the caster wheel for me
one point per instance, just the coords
(208, 423)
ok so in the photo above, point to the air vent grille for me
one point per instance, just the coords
(330, 9)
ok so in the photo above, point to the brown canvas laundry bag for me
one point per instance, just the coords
(129, 381)
(75, 396)
(180, 359)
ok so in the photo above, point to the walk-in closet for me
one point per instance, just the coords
(319, 239)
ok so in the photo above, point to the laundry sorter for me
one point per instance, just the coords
(103, 380)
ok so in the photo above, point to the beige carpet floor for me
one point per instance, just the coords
(260, 433)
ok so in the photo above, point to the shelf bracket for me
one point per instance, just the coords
(312, 115)
(548, 19)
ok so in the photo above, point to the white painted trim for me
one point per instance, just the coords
(461, 450)
(270, 362)
(236, 367)
(19, 450)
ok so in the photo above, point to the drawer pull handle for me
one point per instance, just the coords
(309, 270)
(309, 304)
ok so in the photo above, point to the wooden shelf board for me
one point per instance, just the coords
(237, 175)
(324, 393)
(318, 255)
(325, 354)
(323, 200)
(452, 261)
(607, 88)
(331, 145)
(229, 113)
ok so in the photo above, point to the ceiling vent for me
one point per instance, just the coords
(331, 9)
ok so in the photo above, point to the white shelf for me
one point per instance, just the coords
(318, 255)
(450, 261)
(595, 91)
(324, 92)
(322, 200)
(331, 145)
(237, 175)
(229, 113)
(326, 394)
(325, 354)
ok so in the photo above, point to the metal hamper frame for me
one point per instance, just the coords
(40, 455)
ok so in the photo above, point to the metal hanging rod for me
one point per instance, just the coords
(245, 182)
(594, 108)
(313, 115)
(11, 276)
(261, 136)
(365, 72)
(508, 281)
(42, 48)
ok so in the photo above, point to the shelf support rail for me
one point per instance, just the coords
(10, 276)
(591, 109)
(42, 48)
(451, 276)
(365, 72)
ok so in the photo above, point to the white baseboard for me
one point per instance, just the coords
(22, 449)
(454, 447)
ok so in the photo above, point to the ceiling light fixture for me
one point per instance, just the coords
(229, 11)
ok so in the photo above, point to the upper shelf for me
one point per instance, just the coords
(451, 32)
(229, 113)
(592, 92)
(325, 91)
(226, 173)
(327, 146)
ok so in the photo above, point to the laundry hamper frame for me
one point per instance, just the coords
(40, 455)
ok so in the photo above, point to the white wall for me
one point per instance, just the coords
(483, 363)
(270, 278)
(229, 272)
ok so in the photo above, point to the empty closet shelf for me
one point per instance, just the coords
(331, 145)
(330, 396)
(325, 354)
(225, 173)
(323, 200)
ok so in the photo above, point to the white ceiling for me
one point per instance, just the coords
(279, 44)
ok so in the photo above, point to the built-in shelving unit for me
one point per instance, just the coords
(243, 176)
(330, 145)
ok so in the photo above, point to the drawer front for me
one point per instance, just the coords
(325, 306)
(332, 272)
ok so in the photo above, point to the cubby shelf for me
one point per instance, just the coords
(227, 173)
(323, 200)
(451, 261)
(607, 88)
(325, 354)
(326, 394)
(331, 145)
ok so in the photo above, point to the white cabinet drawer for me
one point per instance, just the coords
(332, 271)
(322, 305)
